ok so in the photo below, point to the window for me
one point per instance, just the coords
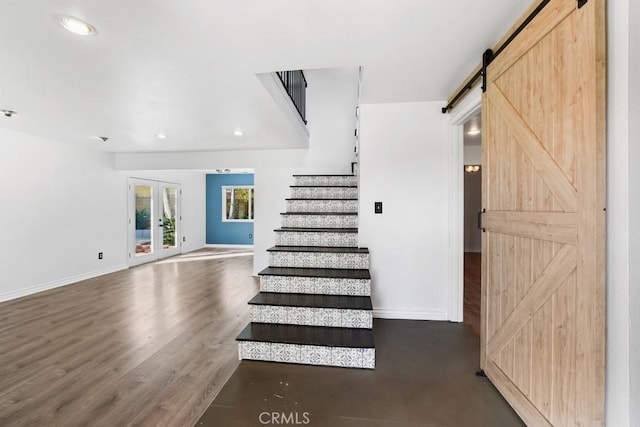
(237, 203)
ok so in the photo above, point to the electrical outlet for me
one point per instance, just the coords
(377, 207)
(99, 255)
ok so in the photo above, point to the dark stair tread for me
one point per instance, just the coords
(348, 174)
(326, 273)
(307, 335)
(323, 186)
(313, 300)
(324, 249)
(320, 213)
(316, 230)
(323, 200)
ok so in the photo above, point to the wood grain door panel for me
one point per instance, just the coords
(542, 332)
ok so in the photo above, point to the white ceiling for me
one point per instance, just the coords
(187, 68)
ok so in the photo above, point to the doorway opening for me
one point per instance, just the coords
(472, 182)
(154, 220)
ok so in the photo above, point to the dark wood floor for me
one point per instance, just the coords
(151, 345)
(424, 376)
(472, 276)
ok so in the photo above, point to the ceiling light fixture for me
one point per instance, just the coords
(76, 26)
(473, 132)
(8, 113)
(161, 136)
(238, 132)
(103, 138)
(471, 168)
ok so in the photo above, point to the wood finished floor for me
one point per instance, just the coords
(472, 285)
(148, 346)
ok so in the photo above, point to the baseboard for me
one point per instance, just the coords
(381, 313)
(230, 246)
(59, 283)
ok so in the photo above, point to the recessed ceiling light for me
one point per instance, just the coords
(473, 132)
(238, 132)
(8, 113)
(103, 138)
(76, 26)
(161, 136)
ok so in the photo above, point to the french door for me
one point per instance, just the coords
(154, 220)
(543, 328)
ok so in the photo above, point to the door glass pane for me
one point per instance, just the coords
(169, 212)
(144, 219)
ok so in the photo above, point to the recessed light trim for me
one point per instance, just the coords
(161, 136)
(76, 26)
(473, 132)
(238, 132)
(8, 113)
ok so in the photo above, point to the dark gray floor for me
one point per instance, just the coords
(424, 376)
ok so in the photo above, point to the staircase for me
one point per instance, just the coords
(314, 305)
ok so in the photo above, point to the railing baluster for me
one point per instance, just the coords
(295, 85)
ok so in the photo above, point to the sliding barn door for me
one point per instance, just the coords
(543, 327)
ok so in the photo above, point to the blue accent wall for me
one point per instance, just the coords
(218, 232)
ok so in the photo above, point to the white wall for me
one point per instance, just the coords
(634, 214)
(332, 98)
(61, 205)
(472, 154)
(404, 164)
(193, 203)
(622, 237)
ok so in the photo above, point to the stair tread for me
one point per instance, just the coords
(312, 300)
(312, 175)
(308, 335)
(323, 186)
(316, 230)
(320, 213)
(323, 249)
(328, 273)
(321, 200)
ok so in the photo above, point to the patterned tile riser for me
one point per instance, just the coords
(315, 285)
(309, 316)
(320, 221)
(298, 238)
(308, 354)
(318, 260)
(326, 180)
(324, 193)
(350, 206)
